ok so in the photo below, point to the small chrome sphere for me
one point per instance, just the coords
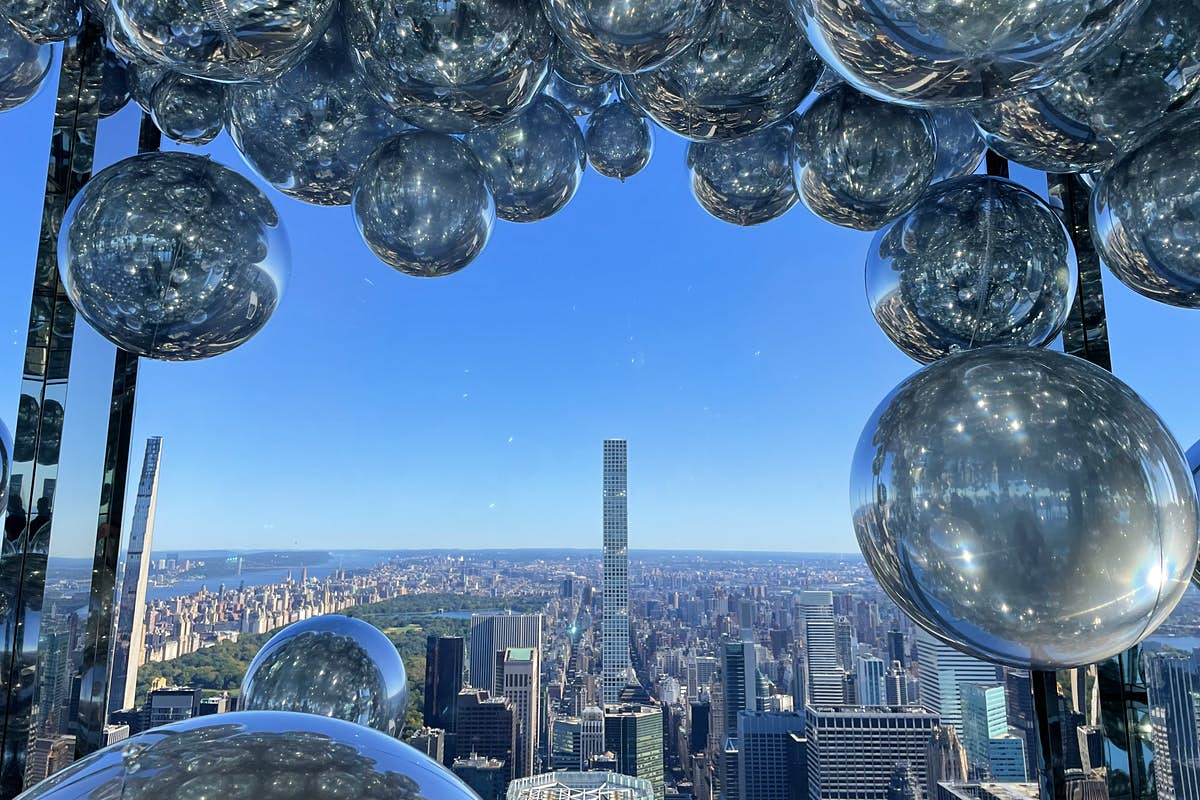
(188, 110)
(619, 141)
(745, 181)
(960, 147)
(115, 80)
(23, 67)
(579, 101)
(629, 37)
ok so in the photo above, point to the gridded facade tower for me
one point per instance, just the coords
(768, 767)
(853, 750)
(634, 733)
(1173, 691)
(615, 623)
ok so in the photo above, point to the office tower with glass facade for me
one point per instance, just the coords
(768, 763)
(983, 717)
(943, 671)
(1007, 762)
(896, 687)
(852, 750)
(634, 734)
(870, 681)
(1173, 692)
(701, 715)
(566, 740)
(164, 706)
(523, 687)
(486, 727)
(129, 641)
(895, 645)
(615, 620)
(847, 646)
(443, 680)
(491, 635)
(739, 682)
(824, 676)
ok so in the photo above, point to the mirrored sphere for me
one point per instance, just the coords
(188, 110)
(451, 66)
(6, 455)
(978, 261)
(745, 181)
(1146, 213)
(249, 40)
(858, 161)
(255, 755)
(534, 162)
(1085, 119)
(172, 256)
(619, 141)
(576, 69)
(1025, 506)
(578, 100)
(23, 67)
(115, 79)
(308, 132)
(956, 52)
(747, 72)
(423, 204)
(629, 37)
(333, 666)
(960, 147)
(43, 21)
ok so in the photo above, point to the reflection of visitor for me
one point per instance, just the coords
(39, 527)
(14, 523)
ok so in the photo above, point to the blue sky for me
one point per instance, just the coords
(379, 410)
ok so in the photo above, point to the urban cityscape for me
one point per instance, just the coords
(571, 674)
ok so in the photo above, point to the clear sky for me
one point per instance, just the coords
(379, 410)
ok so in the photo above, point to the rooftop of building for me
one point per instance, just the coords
(580, 786)
(519, 654)
(986, 790)
(859, 710)
(477, 762)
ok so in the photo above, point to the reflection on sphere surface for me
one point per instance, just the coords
(579, 100)
(745, 181)
(423, 204)
(629, 37)
(978, 261)
(1025, 506)
(23, 67)
(331, 666)
(960, 147)
(619, 141)
(172, 256)
(42, 21)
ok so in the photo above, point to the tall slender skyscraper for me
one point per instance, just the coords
(129, 642)
(615, 630)
(443, 682)
(522, 685)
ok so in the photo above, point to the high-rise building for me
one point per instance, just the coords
(492, 634)
(870, 681)
(768, 763)
(581, 786)
(443, 680)
(523, 686)
(823, 674)
(943, 672)
(895, 687)
(634, 733)
(591, 738)
(739, 682)
(486, 726)
(731, 779)
(615, 620)
(847, 647)
(895, 643)
(487, 777)
(700, 726)
(1006, 758)
(164, 706)
(1018, 699)
(945, 759)
(1173, 690)
(129, 641)
(566, 742)
(852, 750)
(983, 717)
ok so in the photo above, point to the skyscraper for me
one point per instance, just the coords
(870, 681)
(486, 727)
(492, 634)
(983, 716)
(943, 672)
(591, 738)
(739, 682)
(1172, 691)
(523, 686)
(765, 771)
(634, 733)
(852, 750)
(129, 641)
(443, 680)
(615, 622)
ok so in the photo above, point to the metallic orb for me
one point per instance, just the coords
(423, 204)
(574, 68)
(1026, 507)
(860, 162)
(745, 181)
(619, 141)
(219, 40)
(579, 100)
(960, 148)
(23, 67)
(958, 52)
(629, 37)
(452, 65)
(172, 256)
(1146, 213)
(309, 131)
(188, 110)
(255, 755)
(115, 80)
(332, 666)
(1087, 118)
(746, 73)
(978, 261)
(534, 162)
(43, 21)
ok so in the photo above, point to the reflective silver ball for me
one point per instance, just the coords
(960, 147)
(579, 101)
(43, 21)
(173, 256)
(629, 37)
(747, 72)
(23, 67)
(745, 181)
(619, 141)
(534, 162)
(115, 80)
(978, 261)
(860, 162)
(332, 666)
(188, 110)
(423, 204)
(1146, 213)
(576, 69)
(1026, 507)
(255, 755)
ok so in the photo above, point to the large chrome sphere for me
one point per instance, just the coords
(173, 256)
(423, 204)
(188, 110)
(1025, 506)
(255, 755)
(332, 666)
(534, 162)
(619, 141)
(745, 181)
(978, 261)
(309, 131)
(1087, 118)
(747, 72)
(23, 67)
(250, 40)
(860, 162)
(450, 66)
(629, 37)
(1146, 213)
(956, 53)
